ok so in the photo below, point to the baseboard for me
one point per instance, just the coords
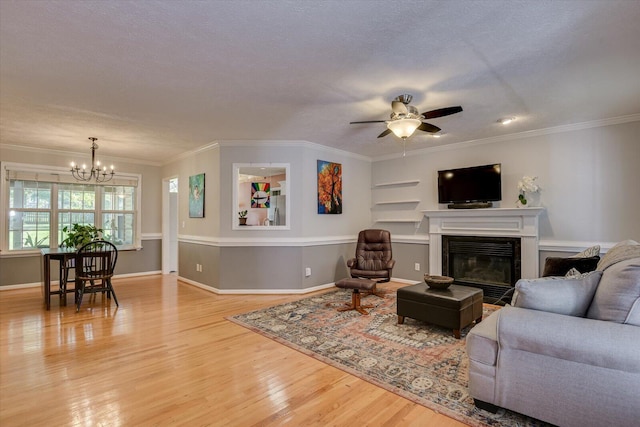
(255, 291)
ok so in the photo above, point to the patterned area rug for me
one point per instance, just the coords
(421, 362)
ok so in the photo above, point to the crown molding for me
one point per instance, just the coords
(517, 136)
(51, 151)
(293, 143)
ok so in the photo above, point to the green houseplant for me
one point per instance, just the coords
(242, 216)
(80, 234)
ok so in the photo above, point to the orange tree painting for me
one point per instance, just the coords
(329, 187)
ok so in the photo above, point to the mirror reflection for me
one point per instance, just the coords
(261, 196)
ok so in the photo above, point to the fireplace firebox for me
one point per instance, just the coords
(492, 264)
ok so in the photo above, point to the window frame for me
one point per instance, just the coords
(56, 176)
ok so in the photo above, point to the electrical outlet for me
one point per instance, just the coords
(417, 266)
(307, 271)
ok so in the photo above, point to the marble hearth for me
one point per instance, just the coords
(496, 222)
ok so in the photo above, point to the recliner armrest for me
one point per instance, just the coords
(391, 264)
(595, 342)
(351, 262)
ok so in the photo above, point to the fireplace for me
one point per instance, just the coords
(492, 264)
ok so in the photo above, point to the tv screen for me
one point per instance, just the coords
(469, 185)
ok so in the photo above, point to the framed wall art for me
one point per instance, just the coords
(329, 187)
(260, 192)
(196, 196)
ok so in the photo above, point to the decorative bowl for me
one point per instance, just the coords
(438, 282)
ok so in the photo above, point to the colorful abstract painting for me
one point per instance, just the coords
(260, 192)
(196, 196)
(329, 187)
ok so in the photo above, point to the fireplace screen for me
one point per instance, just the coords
(490, 263)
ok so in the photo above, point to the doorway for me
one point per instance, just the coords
(169, 225)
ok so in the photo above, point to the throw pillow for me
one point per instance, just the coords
(589, 252)
(575, 273)
(558, 266)
(563, 295)
(618, 294)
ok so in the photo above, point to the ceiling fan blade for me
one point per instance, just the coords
(441, 112)
(368, 121)
(385, 133)
(428, 127)
(399, 107)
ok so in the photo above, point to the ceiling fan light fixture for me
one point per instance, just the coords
(403, 128)
(506, 120)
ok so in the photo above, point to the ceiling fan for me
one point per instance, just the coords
(405, 118)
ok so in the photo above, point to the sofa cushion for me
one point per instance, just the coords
(617, 298)
(558, 266)
(563, 295)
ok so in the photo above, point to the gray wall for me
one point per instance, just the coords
(270, 259)
(28, 269)
(589, 180)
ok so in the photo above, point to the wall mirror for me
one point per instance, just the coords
(260, 196)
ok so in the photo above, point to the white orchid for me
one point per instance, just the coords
(528, 185)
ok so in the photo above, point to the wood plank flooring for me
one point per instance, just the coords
(167, 356)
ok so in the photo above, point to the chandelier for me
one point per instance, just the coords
(95, 173)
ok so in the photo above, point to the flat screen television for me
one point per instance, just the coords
(473, 187)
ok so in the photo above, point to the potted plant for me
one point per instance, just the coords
(242, 217)
(80, 234)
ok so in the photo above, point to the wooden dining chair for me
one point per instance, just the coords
(66, 265)
(95, 263)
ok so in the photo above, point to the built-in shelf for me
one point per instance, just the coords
(398, 220)
(397, 202)
(390, 184)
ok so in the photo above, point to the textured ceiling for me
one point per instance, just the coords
(154, 79)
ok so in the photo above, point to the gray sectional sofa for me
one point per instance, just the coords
(567, 350)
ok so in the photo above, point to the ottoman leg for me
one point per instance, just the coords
(400, 319)
(355, 304)
(456, 333)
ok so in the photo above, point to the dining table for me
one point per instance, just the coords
(62, 255)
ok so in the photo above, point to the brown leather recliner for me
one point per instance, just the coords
(373, 258)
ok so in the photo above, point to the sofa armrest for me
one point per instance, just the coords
(595, 342)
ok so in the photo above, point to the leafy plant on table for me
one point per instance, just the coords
(80, 234)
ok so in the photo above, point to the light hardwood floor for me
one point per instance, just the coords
(167, 356)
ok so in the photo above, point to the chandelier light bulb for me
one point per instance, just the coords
(95, 173)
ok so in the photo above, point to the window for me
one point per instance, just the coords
(29, 214)
(38, 210)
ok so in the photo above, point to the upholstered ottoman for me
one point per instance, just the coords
(455, 307)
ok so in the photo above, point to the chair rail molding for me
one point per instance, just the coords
(502, 222)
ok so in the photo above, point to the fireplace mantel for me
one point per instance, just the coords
(506, 222)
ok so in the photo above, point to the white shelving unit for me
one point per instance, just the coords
(408, 221)
(397, 202)
(394, 183)
(400, 210)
